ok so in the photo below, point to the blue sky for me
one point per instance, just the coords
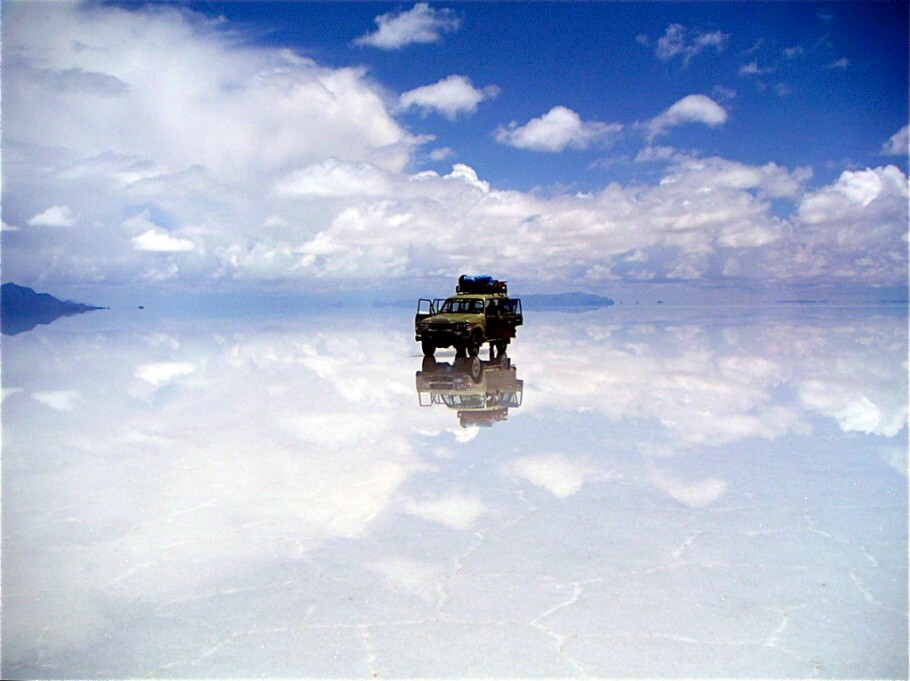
(585, 145)
(810, 74)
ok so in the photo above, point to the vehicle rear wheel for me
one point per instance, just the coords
(500, 346)
(474, 343)
(428, 348)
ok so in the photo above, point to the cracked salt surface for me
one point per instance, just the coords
(667, 493)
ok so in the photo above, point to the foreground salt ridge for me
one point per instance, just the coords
(290, 511)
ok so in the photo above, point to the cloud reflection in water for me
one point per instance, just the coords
(181, 500)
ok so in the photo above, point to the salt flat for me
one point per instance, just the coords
(652, 492)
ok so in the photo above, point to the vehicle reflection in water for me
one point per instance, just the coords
(482, 392)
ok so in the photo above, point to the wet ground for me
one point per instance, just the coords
(628, 493)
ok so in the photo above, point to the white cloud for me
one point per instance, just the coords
(332, 178)
(453, 509)
(853, 411)
(162, 373)
(153, 237)
(203, 130)
(162, 242)
(55, 216)
(898, 144)
(412, 577)
(450, 96)
(421, 24)
(852, 195)
(555, 130)
(9, 392)
(680, 41)
(854, 229)
(61, 400)
(556, 473)
(441, 154)
(702, 205)
(655, 153)
(247, 163)
(840, 64)
(234, 111)
(753, 69)
(694, 494)
(689, 109)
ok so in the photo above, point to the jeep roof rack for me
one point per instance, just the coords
(483, 283)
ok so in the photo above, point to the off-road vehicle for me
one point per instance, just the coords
(481, 311)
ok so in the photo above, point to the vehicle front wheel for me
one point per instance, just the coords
(428, 348)
(476, 370)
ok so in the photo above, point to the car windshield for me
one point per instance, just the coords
(461, 305)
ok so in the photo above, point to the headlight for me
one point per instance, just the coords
(463, 326)
(422, 327)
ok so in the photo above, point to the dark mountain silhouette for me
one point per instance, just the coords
(22, 309)
(565, 300)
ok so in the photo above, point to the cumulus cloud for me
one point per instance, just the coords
(239, 162)
(898, 144)
(854, 229)
(163, 373)
(235, 111)
(689, 109)
(55, 216)
(162, 242)
(61, 400)
(203, 138)
(442, 154)
(854, 193)
(450, 96)
(153, 237)
(556, 473)
(555, 130)
(853, 411)
(421, 24)
(455, 510)
(409, 576)
(333, 178)
(701, 205)
(694, 494)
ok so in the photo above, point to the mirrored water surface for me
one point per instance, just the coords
(627, 493)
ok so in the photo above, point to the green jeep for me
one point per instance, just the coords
(481, 311)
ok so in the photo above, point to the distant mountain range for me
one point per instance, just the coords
(22, 308)
(571, 301)
(562, 300)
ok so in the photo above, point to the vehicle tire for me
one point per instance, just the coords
(428, 348)
(474, 343)
(476, 370)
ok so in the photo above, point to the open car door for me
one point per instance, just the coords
(511, 312)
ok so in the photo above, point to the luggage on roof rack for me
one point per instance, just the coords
(483, 283)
